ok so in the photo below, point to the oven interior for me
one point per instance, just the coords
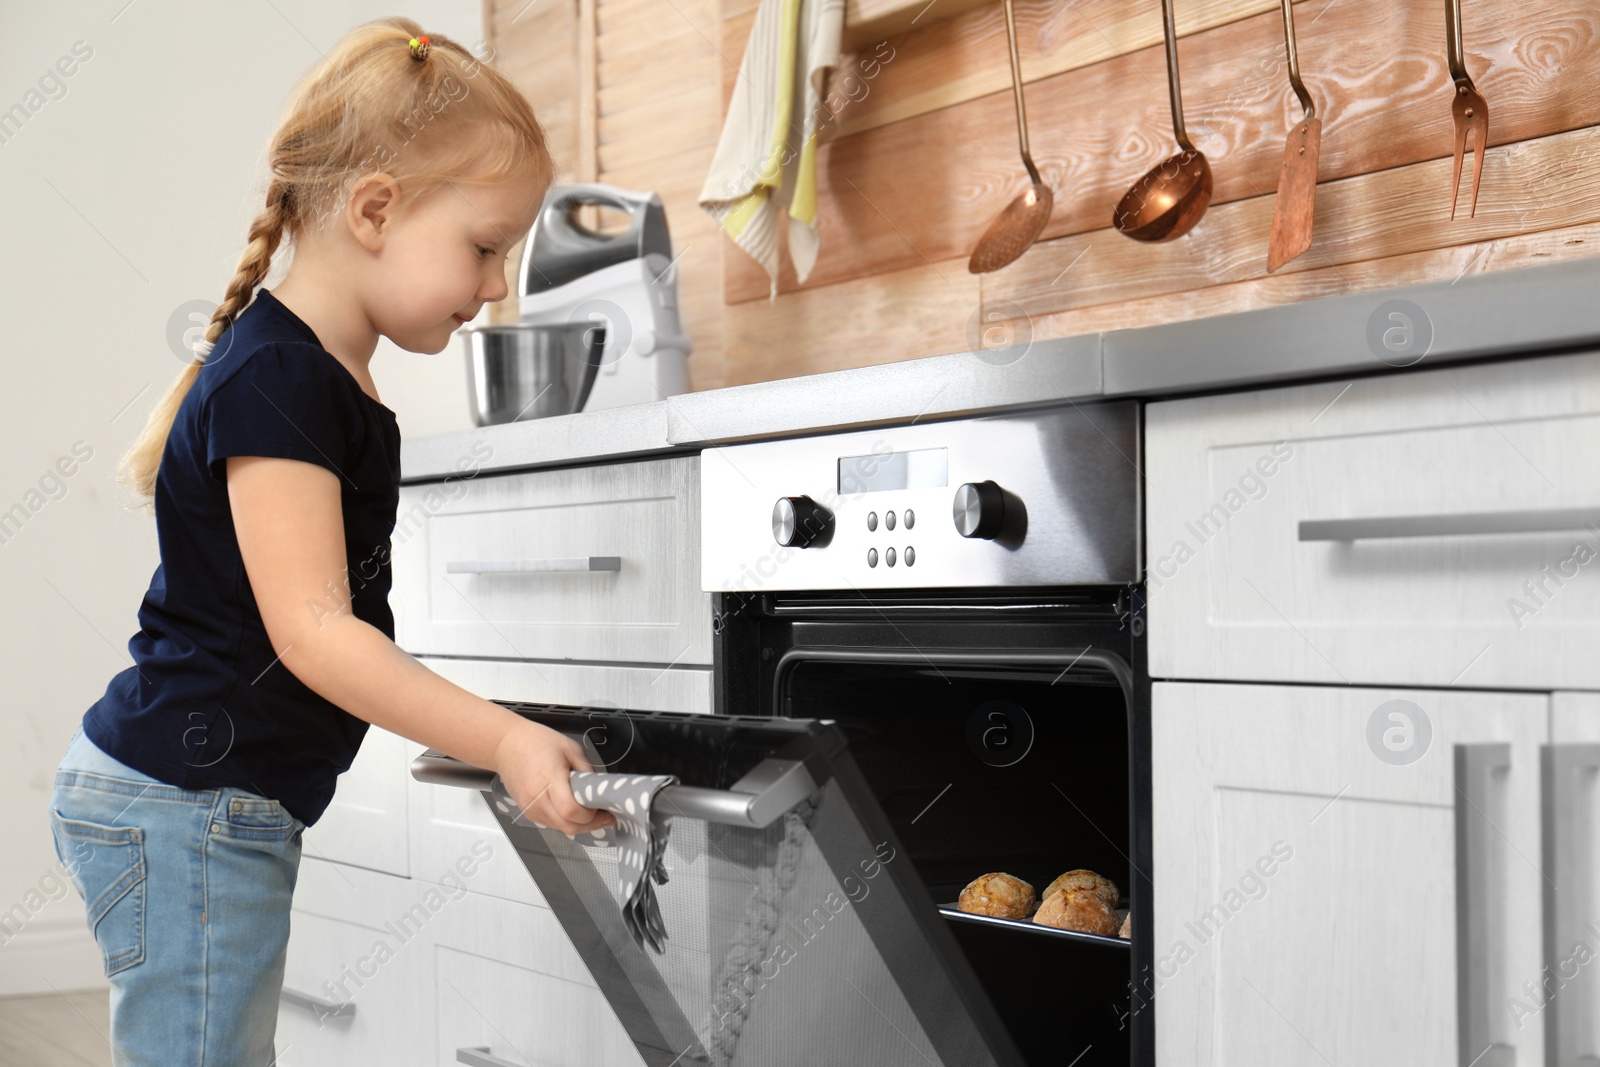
(985, 770)
(992, 746)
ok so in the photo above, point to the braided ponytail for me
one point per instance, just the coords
(139, 466)
(454, 118)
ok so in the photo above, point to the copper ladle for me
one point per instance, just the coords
(1020, 224)
(1167, 202)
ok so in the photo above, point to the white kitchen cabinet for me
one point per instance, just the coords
(366, 823)
(1307, 897)
(1433, 527)
(583, 563)
(510, 986)
(1568, 996)
(358, 980)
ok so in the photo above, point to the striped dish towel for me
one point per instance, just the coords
(766, 159)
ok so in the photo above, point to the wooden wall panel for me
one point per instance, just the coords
(1434, 264)
(1547, 183)
(923, 155)
(537, 46)
(643, 76)
(1382, 107)
(919, 311)
(949, 60)
(657, 124)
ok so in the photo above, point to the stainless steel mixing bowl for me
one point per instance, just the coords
(517, 371)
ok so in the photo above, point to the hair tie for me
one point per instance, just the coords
(419, 48)
(202, 348)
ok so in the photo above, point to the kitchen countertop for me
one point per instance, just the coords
(1532, 311)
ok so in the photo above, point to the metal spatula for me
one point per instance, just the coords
(1297, 183)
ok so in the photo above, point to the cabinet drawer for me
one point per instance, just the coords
(365, 823)
(1426, 528)
(590, 563)
(510, 984)
(371, 977)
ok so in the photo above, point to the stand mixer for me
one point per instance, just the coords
(625, 284)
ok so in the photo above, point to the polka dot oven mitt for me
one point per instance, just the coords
(640, 834)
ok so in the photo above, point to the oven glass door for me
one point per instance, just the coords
(809, 940)
(1014, 761)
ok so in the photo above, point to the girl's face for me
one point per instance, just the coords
(444, 258)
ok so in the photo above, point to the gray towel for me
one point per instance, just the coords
(641, 834)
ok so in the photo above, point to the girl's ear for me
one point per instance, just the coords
(372, 209)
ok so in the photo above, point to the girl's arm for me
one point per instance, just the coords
(287, 517)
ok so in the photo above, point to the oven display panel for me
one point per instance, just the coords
(883, 471)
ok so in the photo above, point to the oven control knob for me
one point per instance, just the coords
(979, 510)
(799, 521)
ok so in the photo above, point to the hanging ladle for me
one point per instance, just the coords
(1167, 202)
(1020, 224)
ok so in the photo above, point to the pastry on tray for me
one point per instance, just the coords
(1127, 928)
(1105, 888)
(1083, 910)
(1001, 896)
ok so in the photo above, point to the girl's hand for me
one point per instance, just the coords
(535, 763)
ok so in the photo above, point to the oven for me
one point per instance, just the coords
(929, 666)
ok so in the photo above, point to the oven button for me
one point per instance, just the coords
(910, 521)
(799, 522)
(979, 510)
(911, 556)
(872, 520)
(888, 556)
(888, 520)
(872, 557)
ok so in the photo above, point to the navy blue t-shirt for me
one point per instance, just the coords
(207, 703)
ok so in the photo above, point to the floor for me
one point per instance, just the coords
(56, 1030)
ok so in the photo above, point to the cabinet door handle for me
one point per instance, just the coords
(1569, 775)
(555, 565)
(479, 1056)
(317, 1005)
(1476, 767)
(1554, 520)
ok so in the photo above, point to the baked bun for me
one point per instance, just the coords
(1001, 896)
(1077, 909)
(1126, 932)
(1105, 888)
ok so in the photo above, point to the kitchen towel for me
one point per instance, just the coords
(766, 160)
(640, 834)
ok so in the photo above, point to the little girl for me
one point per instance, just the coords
(403, 172)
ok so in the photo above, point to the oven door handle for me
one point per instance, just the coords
(771, 788)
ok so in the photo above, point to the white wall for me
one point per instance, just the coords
(125, 197)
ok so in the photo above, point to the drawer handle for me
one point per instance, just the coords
(1569, 772)
(1556, 520)
(317, 1005)
(479, 1056)
(1475, 769)
(533, 566)
(771, 788)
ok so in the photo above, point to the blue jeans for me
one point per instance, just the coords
(187, 894)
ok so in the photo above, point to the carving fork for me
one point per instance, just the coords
(1468, 108)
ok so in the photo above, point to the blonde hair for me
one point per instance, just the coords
(454, 118)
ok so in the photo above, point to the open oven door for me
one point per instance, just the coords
(797, 930)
